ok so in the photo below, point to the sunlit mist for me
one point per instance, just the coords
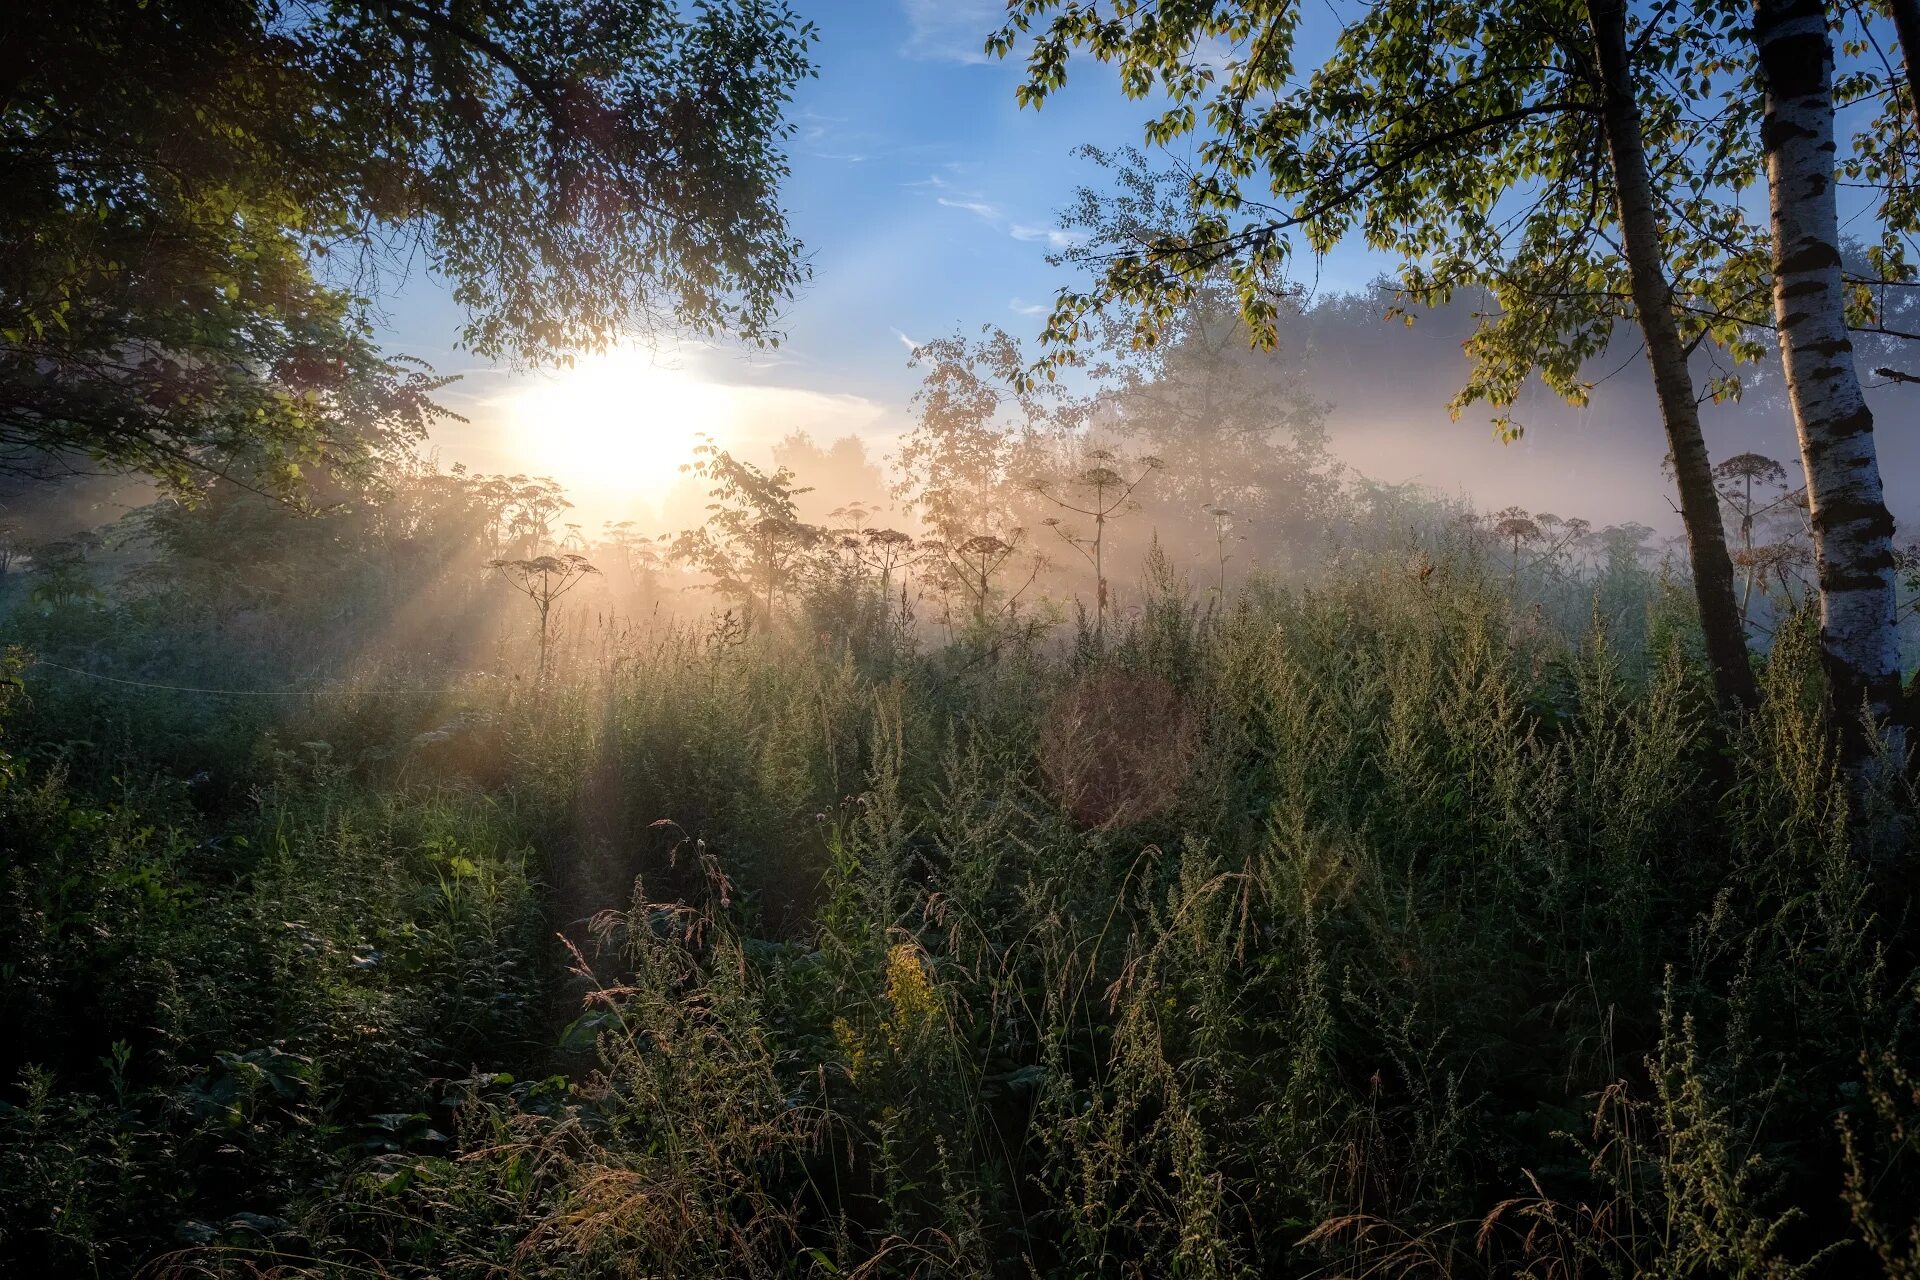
(617, 426)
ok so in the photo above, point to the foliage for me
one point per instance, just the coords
(1409, 907)
(205, 200)
(1393, 921)
(1233, 424)
(229, 1013)
(1464, 140)
(979, 430)
(754, 545)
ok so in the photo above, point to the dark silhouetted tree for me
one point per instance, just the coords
(203, 201)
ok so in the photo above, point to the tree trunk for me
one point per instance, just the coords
(1906, 23)
(1852, 530)
(1726, 638)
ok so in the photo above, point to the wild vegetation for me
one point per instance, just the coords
(1105, 837)
(1420, 914)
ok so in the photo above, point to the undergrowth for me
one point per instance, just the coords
(1377, 927)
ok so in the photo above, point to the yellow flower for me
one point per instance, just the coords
(913, 1007)
(852, 1046)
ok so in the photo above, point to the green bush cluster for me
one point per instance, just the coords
(213, 1015)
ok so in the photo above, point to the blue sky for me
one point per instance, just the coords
(928, 195)
(927, 200)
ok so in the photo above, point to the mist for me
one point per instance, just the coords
(1351, 400)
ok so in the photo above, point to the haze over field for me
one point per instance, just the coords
(929, 202)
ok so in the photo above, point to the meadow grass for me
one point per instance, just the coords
(1380, 924)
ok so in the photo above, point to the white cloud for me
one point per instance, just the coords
(815, 126)
(1217, 54)
(1019, 307)
(905, 341)
(950, 30)
(979, 208)
(1056, 238)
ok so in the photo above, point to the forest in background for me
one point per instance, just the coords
(1222, 457)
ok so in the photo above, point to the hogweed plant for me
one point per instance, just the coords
(1225, 533)
(1757, 501)
(1515, 527)
(543, 580)
(971, 566)
(885, 554)
(1100, 493)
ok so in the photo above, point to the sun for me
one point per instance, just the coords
(618, 426)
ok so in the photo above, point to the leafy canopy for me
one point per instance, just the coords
(753, 544)
(1464, 138)
(203, 202)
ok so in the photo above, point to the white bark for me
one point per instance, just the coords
(1852, 530)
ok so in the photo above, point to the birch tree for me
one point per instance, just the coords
(1852, 530)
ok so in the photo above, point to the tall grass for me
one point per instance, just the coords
(1383, 924)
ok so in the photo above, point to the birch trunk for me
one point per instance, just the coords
(1852, 530)
(1725, 635)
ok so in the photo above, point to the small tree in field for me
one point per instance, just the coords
(1099, 492)
(978, 431)
(514, 515)
(754, 545)
(543, 580)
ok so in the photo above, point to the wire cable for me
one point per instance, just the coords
(232, 693)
